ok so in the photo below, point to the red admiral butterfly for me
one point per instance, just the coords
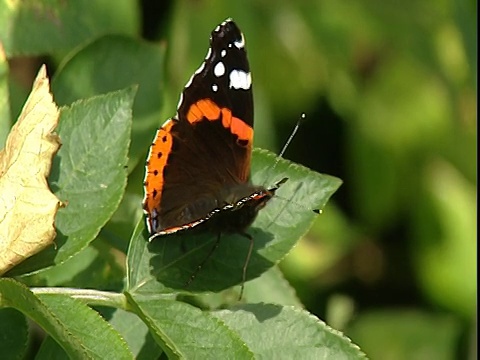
(198, 168)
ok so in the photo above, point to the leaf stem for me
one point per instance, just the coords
(88, 296)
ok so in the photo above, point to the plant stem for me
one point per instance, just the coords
(88, 296)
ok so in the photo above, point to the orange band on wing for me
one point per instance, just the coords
(156, 162)
(206, 108)
(203, 108)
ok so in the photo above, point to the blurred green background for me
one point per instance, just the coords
(390, 93)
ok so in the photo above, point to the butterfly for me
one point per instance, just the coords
(198, 167)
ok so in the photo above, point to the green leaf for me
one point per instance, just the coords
(49, 349)
(13, 333)
(89, 173)
(118, 231)
(111, 63)
(41, 27)
(271, 287)
(136, 334)
(272, 332)
(16, 295)
(59, 316)
(89, 330)
(95, 267)
(163, 266)
(185, 332)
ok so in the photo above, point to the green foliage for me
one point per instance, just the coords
(50, 26)
(14, 338)
(88, 173)
(390, 95)
(262, 327)
(89, 72)
(66, 320)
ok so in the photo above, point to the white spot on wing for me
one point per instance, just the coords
(219, 69)
(214, 87)
(240, 44)
(223, 53)
(240, 80)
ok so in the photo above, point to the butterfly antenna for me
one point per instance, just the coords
(287, 143)
(290, 138)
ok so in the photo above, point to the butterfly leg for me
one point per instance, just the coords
(245, 266)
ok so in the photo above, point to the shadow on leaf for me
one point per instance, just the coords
(177, 257)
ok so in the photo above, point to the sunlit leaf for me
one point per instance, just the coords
(27, 205)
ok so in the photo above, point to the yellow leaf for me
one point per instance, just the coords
(27, 206)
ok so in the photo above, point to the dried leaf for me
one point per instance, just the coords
(27, 206)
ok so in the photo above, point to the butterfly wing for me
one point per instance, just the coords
(206, 148)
